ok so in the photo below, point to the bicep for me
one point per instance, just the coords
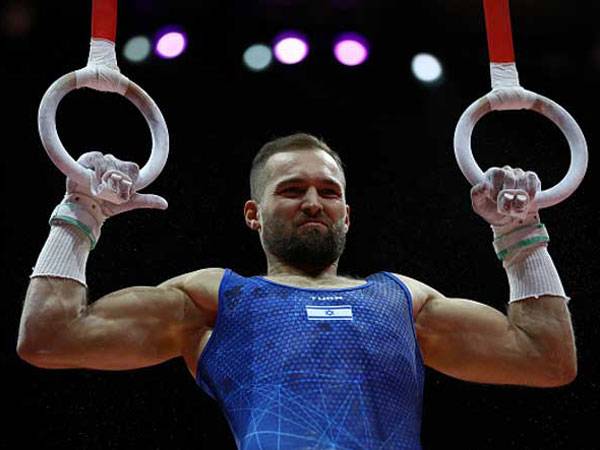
(131, 328)
(471, 341)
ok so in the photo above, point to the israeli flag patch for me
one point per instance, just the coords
(341, 312)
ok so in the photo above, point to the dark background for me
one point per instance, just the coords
(410, 202)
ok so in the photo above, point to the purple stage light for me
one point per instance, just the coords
(290, 47)
(171, 43)
(351, 49)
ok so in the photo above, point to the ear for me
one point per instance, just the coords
(347, 219)
(251, 215)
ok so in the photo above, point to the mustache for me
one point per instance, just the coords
(306, 219)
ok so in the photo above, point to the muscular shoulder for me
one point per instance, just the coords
(420, 292)
(200, 286)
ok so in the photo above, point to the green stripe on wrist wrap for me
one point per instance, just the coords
(82, 226)
(521, 245)
(520, 238)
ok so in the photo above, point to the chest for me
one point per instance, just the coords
(258, 325)
(311, 332)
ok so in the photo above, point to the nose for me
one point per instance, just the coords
(311, 204)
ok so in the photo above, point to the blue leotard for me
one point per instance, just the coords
(298, 368)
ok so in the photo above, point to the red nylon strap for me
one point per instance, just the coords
(499, 32)
(104, 19)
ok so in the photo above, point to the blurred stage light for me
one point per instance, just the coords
(290, 47)
(137, 49)
(351, 49)
(258, 57)
(426, 68)
(170, 43)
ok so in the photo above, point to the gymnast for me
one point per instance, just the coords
(304, 357)
(301, 357)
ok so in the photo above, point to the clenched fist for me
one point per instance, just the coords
(506, 196)
(111, 191)
(112, 185)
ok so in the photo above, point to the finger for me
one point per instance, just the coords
(114, 163)
(481, 188)
(116, 185)
(505, 200)
(126, 188)
(150, 201)
(520, 180)
(89, 159)
(112, 181)
(521, 202)
(146, 201)
(496, 180)
(99, 167)
(510, 181)
(131, 169)
(534, 184)
(120, 184)
(480, 193)
(513, 202)
(93, 161)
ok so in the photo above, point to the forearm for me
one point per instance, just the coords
(538, 303)
(538, 309)
(546, 338)
(57, 293)
(50, 304)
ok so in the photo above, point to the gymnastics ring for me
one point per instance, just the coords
(102, 73)
(549, 109)
(63, 160)
(504, 76)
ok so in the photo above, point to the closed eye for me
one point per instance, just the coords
(292, 191)
(330, 193)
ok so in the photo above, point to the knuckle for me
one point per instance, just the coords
(132, 169)
(90, 158)
(497, 176)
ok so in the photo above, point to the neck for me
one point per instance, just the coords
(278, 268)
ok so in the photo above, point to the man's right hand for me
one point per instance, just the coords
(83, 206)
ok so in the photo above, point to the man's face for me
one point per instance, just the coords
(303, 217)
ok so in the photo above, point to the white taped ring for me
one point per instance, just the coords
(101, 78)
(511, 98)
(80, 174)
(553, 111)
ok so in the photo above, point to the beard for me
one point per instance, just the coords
(312, 249)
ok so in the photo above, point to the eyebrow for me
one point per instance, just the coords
(298, 180)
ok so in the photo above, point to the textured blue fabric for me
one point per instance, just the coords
(297, 368)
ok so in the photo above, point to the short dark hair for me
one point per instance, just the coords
(297, 141)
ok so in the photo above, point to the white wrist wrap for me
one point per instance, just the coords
(508, 245)
(82, 211)
(64, 255)
(524, 255)
(534, 275)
